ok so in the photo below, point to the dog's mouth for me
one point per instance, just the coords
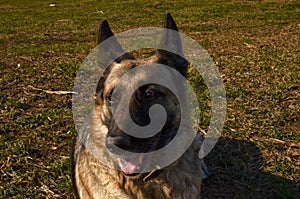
(131, 165)
(131, 159)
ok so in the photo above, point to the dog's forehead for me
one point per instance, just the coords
(125, 65)
(117, 70)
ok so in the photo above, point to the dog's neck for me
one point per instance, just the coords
(149, 185)
(151, 175)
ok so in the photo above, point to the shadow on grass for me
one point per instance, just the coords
(235, 167)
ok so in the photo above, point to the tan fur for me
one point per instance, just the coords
(95, 179)
(181, 180)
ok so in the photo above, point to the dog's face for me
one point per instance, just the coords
(142, 99)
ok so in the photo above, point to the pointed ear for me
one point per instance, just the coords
(171, 39)
(104, 32)
(170, 47)
(109, 50)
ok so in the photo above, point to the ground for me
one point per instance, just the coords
(255, 44)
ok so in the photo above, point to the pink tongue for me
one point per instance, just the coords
(128, 166)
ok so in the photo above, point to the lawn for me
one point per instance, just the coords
(255, 44)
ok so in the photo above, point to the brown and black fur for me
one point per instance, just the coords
(92, 179)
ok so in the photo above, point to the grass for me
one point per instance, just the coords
(254, 43)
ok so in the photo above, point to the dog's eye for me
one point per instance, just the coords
(150, 94)
(108, 97)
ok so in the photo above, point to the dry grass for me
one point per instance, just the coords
(254, 43)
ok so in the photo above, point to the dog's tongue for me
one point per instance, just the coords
(129, 165)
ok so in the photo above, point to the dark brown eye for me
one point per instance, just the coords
(108, 97)
(150, 94)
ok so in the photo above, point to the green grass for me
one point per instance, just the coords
(255, 44)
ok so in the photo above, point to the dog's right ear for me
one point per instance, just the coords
(108, 52)
(111, 49)
(104, 32)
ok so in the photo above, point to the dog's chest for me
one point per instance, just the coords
(155, 188)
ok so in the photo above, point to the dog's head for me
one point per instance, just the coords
(141, 100)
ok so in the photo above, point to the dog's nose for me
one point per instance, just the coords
(122, 142)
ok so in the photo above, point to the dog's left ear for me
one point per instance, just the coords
(171, 41)
(111, 48)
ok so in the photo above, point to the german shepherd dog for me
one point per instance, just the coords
(93, 178)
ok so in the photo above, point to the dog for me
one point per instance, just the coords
(92, 178)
